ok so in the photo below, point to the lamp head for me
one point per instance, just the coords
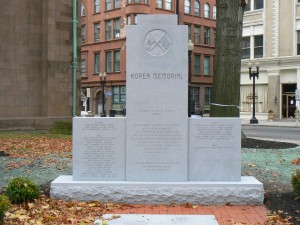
(190, 45)
(257, 64)
(249, 65)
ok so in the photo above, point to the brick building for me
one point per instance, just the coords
(103, 33)
(35, 63)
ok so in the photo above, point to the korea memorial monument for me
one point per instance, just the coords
(157, 155)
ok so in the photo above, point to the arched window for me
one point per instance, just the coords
(206, 10)
(82, 10)
(197, 8)
(215, 12)
(187, 6)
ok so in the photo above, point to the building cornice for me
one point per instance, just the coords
(272, 63)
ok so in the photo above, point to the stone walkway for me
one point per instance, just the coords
(225, 215)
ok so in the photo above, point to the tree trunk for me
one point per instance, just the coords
(227, 64)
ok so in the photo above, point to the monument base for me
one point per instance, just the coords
(248, 191)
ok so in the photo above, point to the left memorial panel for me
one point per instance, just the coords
(98, 149)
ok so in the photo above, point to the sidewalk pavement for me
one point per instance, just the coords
(263, 120)
(225, 215)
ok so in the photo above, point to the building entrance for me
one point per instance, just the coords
(288, 100)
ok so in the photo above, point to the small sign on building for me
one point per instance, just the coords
(297, 92)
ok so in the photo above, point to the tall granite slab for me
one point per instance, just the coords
(98, 149)
(156, 123)
(215, 149)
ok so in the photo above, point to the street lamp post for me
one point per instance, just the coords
(102, 83)
(253, 74)
(190, 49)
(177, 11)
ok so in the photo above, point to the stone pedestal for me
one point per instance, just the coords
(248, 191)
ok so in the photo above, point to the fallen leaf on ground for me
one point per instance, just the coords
(296, 161)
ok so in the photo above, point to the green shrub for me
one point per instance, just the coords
(21, 189)
(4, 205)
(60, 127)
(296, 182)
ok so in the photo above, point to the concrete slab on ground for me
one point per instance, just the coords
(146, 219)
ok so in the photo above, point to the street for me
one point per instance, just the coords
(286, 134)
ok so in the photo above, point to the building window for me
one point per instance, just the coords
(137, 1)
(119, 94)
(108, 62)
(159, 4)
(206, 35)
(82, 68)
(96, 6)
(245, 48)
(117, 61)
(258, 46)
(197, 35)
(206, 65)
(189, 32)
(248, 6)
(97, 62)
(197, 63)
(215, 12)
(258, 4)
(116, 28)
(187, 6)
(112, 61)
(96, 32)
(207, 95)
(117, 4)
(195, 95)
(108, 5)
(215, 35)
(197, 8)
(135, 19)
(82, 11)
(83, 33)
(254, 5)
(298, 42)
(169, 4)
(115, 25)
(128, 21)
(206, 10)
(108, 30)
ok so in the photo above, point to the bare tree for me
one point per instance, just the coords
(227, 64)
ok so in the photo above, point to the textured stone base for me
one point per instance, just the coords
(248, 191)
